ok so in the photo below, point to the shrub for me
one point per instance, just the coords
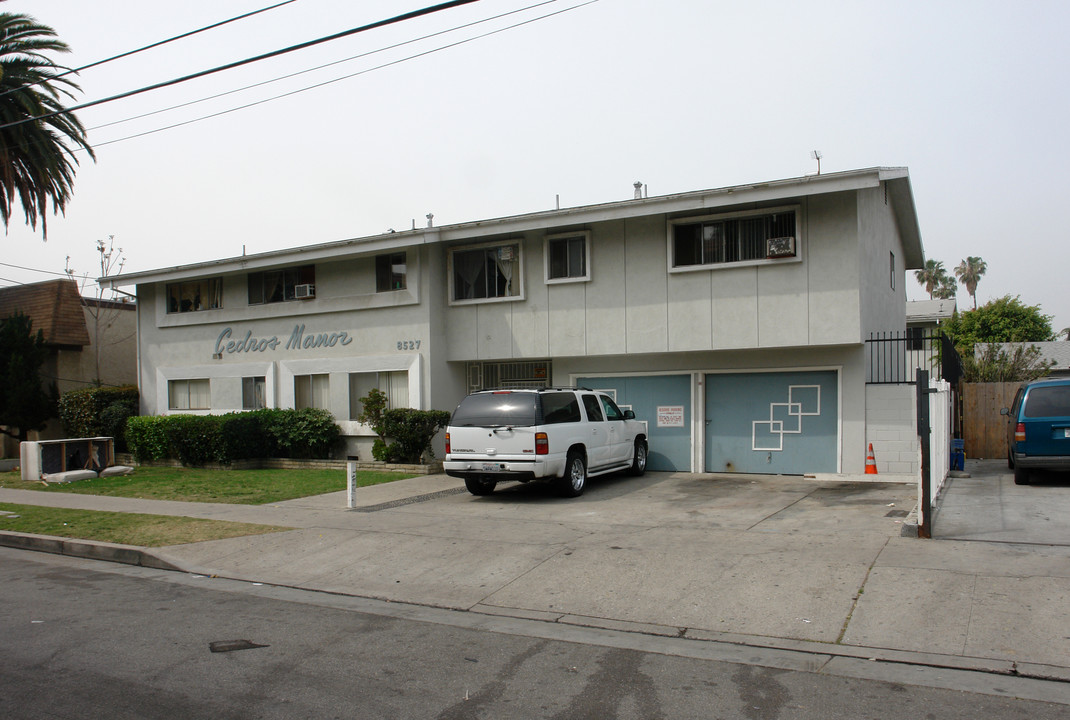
(82, 412)
(411, 432)
(306, 433)
(196, 439)
(200, 439)
(147, 439)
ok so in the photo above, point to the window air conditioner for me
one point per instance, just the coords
(304, 292)
(780, 247)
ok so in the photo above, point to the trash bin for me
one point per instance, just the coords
(958, 454)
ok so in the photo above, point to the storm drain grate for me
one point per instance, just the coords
(232, 645)
(896, 513)
(411, 500)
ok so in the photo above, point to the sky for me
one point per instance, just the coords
(575, 107)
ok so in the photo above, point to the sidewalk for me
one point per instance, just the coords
(806, 564)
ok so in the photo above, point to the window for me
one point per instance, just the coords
(612, 411)
(394, 384)
(272, 286)
(253, 393)
(593, 408)
(567, 257)
(390, 272)
(189, 394)
(195, 295)
(560, 407)
(891, 265)
(734, 239)
(312, 391)
(491, 271)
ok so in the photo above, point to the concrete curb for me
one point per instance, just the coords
(88, 549)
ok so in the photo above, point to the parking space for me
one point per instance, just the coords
(988, 506)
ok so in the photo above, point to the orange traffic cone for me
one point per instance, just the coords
(871, 463)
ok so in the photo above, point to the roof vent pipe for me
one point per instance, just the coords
(638, 190)
(430, 219)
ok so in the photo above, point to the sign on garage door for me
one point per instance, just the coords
(778, 422)
(664, 402)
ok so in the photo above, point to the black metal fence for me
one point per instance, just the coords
(893, 358)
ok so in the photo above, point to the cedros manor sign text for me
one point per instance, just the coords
(298, 340)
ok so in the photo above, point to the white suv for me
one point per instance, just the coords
(560, 434)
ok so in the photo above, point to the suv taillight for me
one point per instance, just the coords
(447, 443)
(1019, 433)
(542, 444)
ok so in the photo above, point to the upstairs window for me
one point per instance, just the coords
(195, 295)
(567, 257)
(390, 271)
(733, 239)
(485, 273)
(273, 286)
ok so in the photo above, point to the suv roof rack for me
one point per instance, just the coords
(538, 388)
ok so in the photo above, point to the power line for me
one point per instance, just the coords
(275, 53)
(321, 67)
(147, 47)
(338, 79)
(22, 267)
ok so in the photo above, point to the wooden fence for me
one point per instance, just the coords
(983, 428)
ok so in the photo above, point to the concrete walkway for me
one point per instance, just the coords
(784, 562)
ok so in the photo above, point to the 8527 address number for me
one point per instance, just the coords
(408, 344)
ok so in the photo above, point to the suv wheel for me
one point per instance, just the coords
(639, 458)
(575, 479)
(479, 486)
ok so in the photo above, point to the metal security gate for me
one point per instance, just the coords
(664, 403)
(772, 422)
(508, 374)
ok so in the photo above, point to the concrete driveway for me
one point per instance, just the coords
(988, 506)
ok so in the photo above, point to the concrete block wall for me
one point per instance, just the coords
(891, 426)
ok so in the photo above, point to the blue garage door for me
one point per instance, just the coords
(656, 397)
(781, 423)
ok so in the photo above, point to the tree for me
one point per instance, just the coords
(1021, 363)
(947, 289)
(969, 272)
(1006, 319)
(37, 157)
(25, 404)
(104, 316)
(932, 276)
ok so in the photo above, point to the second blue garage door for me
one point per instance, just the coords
(664, 402)
(774, 422)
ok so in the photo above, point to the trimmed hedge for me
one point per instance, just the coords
(411, 432)
(201, 439)
(98, 412)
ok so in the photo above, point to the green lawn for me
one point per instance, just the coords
(243, 487)
(122, 528)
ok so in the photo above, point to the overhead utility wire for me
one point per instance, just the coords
(22, 267)
(70, 71)
(247, 61)
(344, 77)
(320, 67)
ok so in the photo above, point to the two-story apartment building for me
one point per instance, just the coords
(733, 321)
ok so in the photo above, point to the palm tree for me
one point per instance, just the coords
(947, 289)
(36, 155)
(969, 272)
(931, 276)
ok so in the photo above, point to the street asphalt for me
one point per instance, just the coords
(803, 564)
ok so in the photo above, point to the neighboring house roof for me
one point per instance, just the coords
(1058, 351)
(929, 311)
(895, 181)
(54, 306)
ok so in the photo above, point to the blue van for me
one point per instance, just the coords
(1038, 428)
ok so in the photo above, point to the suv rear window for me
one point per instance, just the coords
(1048, 401)
(497, 409)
